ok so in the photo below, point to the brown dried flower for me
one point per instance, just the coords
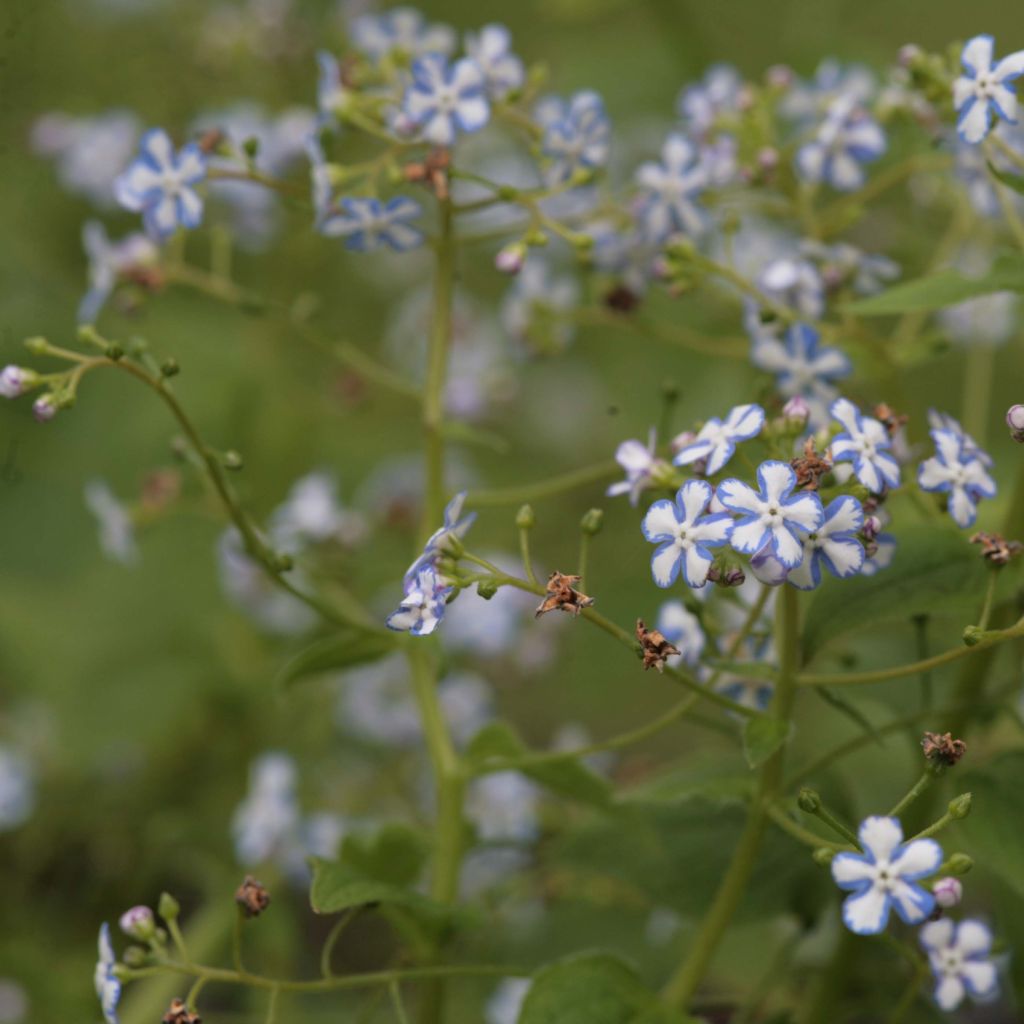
(211, 139)
(941, 748)
(561, 595)
(996, 549)
(809, 467)
(621, 299)
(252, 897)
(892, 421)
(656, 648)
(179, 1013)
(432, 172)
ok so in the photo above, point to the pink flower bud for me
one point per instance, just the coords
(908, 54)
(510, 258)
(1015, 421)
(768, 158)
(680, 441)
(871, 528)
(767, 568)
(779, 76)
(797, 410)
(15, 380)
(948, 892)
(138, 923)
(44, 408)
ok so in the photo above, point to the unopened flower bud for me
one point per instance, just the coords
(16, 380)
(487, 589)
(1015, 421)
(960, 806)
(733, 576)
(37, 345)
(135, 956)
(510, 258)
(767, 568)
(138, 923)
(232, 460)
(872, 527)
(767, 159)
(908, 55)
(948, 892)
(44, 408)
(525, 517)
(168, 907)
(592, 521)
(973, 635)
(823, 856)
(959, 864)
(170, 368)
(780, 76)
(808, 800)
(797, 411)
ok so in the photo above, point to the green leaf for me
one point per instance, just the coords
(593, 988)
(934, 571)
(340, 650)
(569, 778)
(394, 855)
(762, 736)
(1014, 181)
(946, 288)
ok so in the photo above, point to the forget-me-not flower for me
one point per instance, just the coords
(576, 134)
(773, 515)
(847, 139)
(795, 283)
(843, 264)
(160, 184)
(445, 99)
(983, 90)
(641, 467)
(718, 92)
(944, 421)
(367, 224)
(682, 629)
(108, 988)
(956, 471)
(444, 538)
(423, 606)
(402, 29)
(668, 190)
(107, 262)
(716, 441)
(885, 875)
(491, 49)
(959, 955)
(865, 442)
(332, 95)
(834, 544)
(685, 531)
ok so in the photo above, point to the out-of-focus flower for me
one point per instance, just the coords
(421, 610)
(718, 93)
(795, 283)
(503, 807)
(1015, 421)
(844, 265)
(717, 439)
(668, 191)
(108, 988)
(948, 892)
(846, 140)
(955, 471)
(491, 48)
(17, 790)
(809, 100)
(536, 304)
(109, 262)
(269, 815)
(16, 380)
(506, 1002)
(117, 531)
(313, 514)
(367, 224)
(576, 135)
(984, 91)
(640, 465)
(403, 30)
(444, 99)
(683, 629)
(959, 955)
(138, 923)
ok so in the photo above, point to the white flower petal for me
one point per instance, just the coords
(788, 549)
(660, 522)
(776, 478)
(850, 868)
(880, 836)
(937, 934)
(977, 54)
(973, 938)
(1011, 66)
(845, 557)
(696, 567)
(980, 977)
(950, 993)
(665, 564)
(866, 913)
(694, 496)
(973, 123)
(918, 858)
(738, 496)
(749, 537)
(912, 902)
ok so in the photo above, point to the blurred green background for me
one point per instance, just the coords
(141, 693)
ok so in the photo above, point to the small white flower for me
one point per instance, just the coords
(717, 439)
(491, 49)
(445, 100)
(108, 988)
(956, 471)
(865, 442)
(640, 465)
(959, 955)
(983, 90)
(506, 1002)
(834, 544)
(668, 191)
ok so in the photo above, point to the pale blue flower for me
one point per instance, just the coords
(716, 441)
(368, 224)
(444, 99)
(161, 184)
(944, 421)
(402, 29)
(841, 264)
(332, 95)
(984, 91)
(314, 514)
(108, 261)
(834, 544)
(846, 139)
(795, 283)
(960, 958)
(958, 472)
(117, 530)
(491, 49)
(640, 465)
(885, 875)
(576, 135)
(503, 808)
(108, 988)
(717, 93)
(683, 629)
(445, 538)
(772, 515)
(264, 822)
(506, 1002)
(685, 532)
(865, 442)
(668, 191)
(320, 180)
(423, 606)
(807, 100)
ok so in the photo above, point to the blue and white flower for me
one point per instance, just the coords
(957, 472)
(834, 544)
(668, 191)
(685, 532)
(313, 514)
(108, 261)
(402, 29)
(423, 606)
(833, 81)
(847, 139)
(943, 421)
(445, 539)
(17, 789)
(117, 530)
(506, 1002)
(772, 515)
(959, 955)
(795, 283)
(108, 988)
(717, 93)
(865, 442)
(842, 264)
(885, 875)
(683, 629)
(576, 135)
(802, 367)
(503, 807)
(716, 441)
(445, 99)
(983, 90)
(160, 184)
(332, 95)
(491, 49)
(269, 815)
(642, 468)
(367, 224)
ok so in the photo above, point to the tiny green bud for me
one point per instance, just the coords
(670, 391)
(251, 146)
(508, 193)
(135, 956)
(170, 368)
(582, 242)
(283, 563)
(592, 521)
(535, 238)
(37, 346)
(823, 856)
(959, 864)
(168, 907)
(487, 589)
(525, 517)
(960, 806)
(973, 635)
(808, 800)
(232, 460)
(88, 335)
(114, 352)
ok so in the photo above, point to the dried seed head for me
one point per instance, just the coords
(892, 421)
(431, 172)
(656, 648)
(941, 748)
(996, 549)
(561, 595)
(810, 467)
(179, 1013)
(252, 897)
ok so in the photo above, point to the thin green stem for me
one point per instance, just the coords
(275, 992)
(583, 558)
(990, 594)
(827, 818)
(332, 940)
(395, 991)
(549, 488)
(935, 828)
(798, 832)
(915, 791)
(193, 993)
(524, 551)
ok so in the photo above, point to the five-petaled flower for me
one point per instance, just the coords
(846, 139)
(643, 468)
(685, 532)
(491, 49)
(108, 988)
(959, 958)
(445, 539)
(865, 442)
(717, 439)
(423, 606)
(576, 134)
(401, 29)
(833, 544)
(445, 99)
(983, 89)
(772, 515)
(161, 184)
(668, 190)
(109, 261)
(956, 471)
(367, 224)
(885, 875)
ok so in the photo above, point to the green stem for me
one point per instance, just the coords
(332, 940)
(990, 593)
(978, 375)
(595, 474)
(524, 550)
(275, 992)
(395, 991)
(916, 790)
(581, 561)
(826, 817)
(798, 832)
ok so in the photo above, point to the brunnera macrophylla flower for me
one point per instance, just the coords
(423, 606)
(885, 875)
(717, 93)
(834, 544)
(983, 90)
(641, 466)
(108, 988)
(368, 224)
(491, 48)
(332, 95)
(160, 184)
(954, 471)
(772, 515)
(402, 29)
(685, 532)
(668, 191)
(683, 629)
(313, 514)
(445, 538)
(445, 99)
(943, 421)
(17, 790)
(717, 439)
(846, 139)
(959, 956)
(108, 262)
(844, 265)
(795, 283)
(865, 442)
(576, 134)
